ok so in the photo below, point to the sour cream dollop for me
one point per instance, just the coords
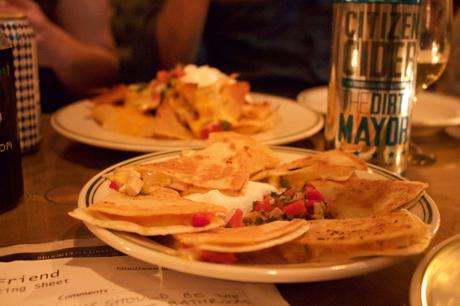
(202, 75)
(255, 191)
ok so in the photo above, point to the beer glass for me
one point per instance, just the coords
(435, 41)
(433, 53)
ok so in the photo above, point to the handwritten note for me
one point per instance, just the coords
(119, 280)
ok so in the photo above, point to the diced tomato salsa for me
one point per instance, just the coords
(215, 127)
(312, 194)
(200, 220)
(114, 185)
(236, 220)
(204, 134)
(295, 208)
(307, 203)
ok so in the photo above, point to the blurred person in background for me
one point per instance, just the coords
(75, 48)
(133, 26)
(280, 47)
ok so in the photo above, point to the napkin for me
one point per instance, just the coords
(85, 272)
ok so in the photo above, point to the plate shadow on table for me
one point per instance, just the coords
(86, 155)
(368, 289)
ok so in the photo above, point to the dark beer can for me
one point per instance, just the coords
(21, 35)
(11, 182)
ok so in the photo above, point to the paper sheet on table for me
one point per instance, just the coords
(88, 273)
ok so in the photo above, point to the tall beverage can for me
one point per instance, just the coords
(21, 35)
(372, 81)
(11, 183)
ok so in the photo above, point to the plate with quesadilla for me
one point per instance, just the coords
(239, 210)
(179, 108)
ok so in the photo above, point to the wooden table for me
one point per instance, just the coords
(55, 174)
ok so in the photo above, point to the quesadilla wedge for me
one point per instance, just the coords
(392, 234)
(224, 165)
(255, 155)
(334, 165)
(161, 213)
(220, 244)
(359, 197)
(218, 166)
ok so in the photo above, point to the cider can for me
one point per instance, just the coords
(373, 79)
(21, 35)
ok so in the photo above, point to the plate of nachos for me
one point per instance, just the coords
(240, 210)
(179, 109)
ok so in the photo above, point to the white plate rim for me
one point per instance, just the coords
(432, 101)
(112, 140)
(419, 274)
(318, 106)
(262, 273)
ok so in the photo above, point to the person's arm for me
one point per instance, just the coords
(78, 45)
(85, 45)
(179, 31)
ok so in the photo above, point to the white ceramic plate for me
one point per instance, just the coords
(314, 98)
(431, 109)
(436, 110)
(74, 121)
(149, 251)
(433, 282)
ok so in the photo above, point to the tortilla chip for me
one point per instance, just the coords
(103, 112)
(245, 239)
(125, 120)
(252, 126)
(181, 100)
(392, 234)
(167, 124)
(205, 101)
(256, 118)
(257, 111)
(114, 95)
(194, 106)
(232, 100)
(358, 197)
